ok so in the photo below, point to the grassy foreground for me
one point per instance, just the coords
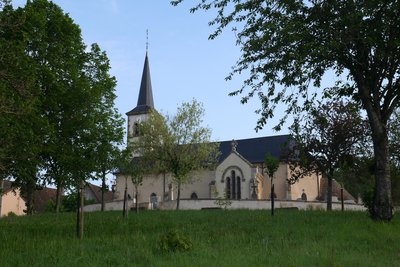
(219, 238)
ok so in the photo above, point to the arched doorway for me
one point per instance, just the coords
(154, 200)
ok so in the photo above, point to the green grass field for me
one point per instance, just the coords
(218, 237)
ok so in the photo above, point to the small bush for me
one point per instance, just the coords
(50, 206)
(11, 214)
(368, 200)
(175, 241)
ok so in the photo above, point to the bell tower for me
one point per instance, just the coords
(145, 103)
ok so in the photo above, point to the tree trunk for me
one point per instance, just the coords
(78, 218)
(1, 194)
(178, 197)
(103, 189)
(383, 206)
(341, 198)
(30, 190)
(125, 198)
(272, 200)
(136, 199)
(58, 197)
(329, 193)
(82, 199)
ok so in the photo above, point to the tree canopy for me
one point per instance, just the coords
(59, 122)
(288, 46)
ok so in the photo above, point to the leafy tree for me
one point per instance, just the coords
(179, 144)
(288, 46)
(271, 166)
(109, 123)
(327, 139)
(69, 129)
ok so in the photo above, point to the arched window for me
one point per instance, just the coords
(228, 188)
(233, 186)
(233, 191)
(194, 196)
(233, 178)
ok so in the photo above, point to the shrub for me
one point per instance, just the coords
(50, 206)
(368, 200)
(173, 241)
(11, 214)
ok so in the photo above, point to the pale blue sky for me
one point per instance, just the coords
(184, 64)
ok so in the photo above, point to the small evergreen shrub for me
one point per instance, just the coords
(174, 241)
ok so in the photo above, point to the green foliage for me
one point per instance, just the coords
(57, 101)
(50, 206)
(69, 202)
(395, 176)
(271, 164)
(175, 241)
(357, 177)
(394, 138)
(11, 214)
(368, 200)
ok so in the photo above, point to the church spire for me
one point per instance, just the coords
(146, 92)
(145, 99)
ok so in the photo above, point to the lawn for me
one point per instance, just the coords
(217, 238)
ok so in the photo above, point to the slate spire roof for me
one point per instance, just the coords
(145, 100)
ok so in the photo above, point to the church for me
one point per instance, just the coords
(239, 174)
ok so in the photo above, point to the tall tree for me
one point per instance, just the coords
(288, 46)
(180, 144)
(72, 129)
(109, 123)
(21, 125)
(326, 140)
(56, 46)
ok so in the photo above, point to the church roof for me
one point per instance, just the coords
(255, 149)
(145, 99)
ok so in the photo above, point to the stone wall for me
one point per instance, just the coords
(258, 204)
(186, 204)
